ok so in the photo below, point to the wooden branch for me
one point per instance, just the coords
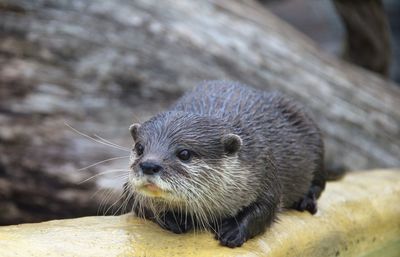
(349, 223)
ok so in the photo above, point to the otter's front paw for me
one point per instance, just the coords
(174, 223)
(306, 204)
(232, 233)
(309, 201)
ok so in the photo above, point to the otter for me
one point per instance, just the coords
(228, 158)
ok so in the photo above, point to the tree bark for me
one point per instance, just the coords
(99, 65)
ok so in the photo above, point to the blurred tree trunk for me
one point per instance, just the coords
(101, 64)
(367, 34)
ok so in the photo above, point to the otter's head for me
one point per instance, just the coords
(188, 161)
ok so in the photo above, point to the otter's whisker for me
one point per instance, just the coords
(115, 202)
(112, 206)
(136, 206)
(94, 139)
(111, 143)
(101, 173)
(128, 197)
(107, 195)
(124, 202)
(103, 161)
(102, 189)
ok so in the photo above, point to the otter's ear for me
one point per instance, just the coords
(134, 129)
(232, 143)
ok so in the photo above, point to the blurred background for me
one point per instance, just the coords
(75, 69)
(321, 21)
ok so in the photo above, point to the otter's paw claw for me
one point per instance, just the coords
(232, 233)
(174, 224)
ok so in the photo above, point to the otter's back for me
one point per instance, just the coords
(222, 100)
(268, 123)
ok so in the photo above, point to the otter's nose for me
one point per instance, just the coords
(150, 168)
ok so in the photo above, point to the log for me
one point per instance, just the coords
(99, 65)
(349, 223)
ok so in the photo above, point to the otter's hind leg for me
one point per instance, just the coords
(309, 201)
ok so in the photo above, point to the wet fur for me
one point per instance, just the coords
(237, 195)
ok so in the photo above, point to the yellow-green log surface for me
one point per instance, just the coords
(356, 215)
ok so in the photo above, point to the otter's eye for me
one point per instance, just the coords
(184, 155)
(139, 148)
